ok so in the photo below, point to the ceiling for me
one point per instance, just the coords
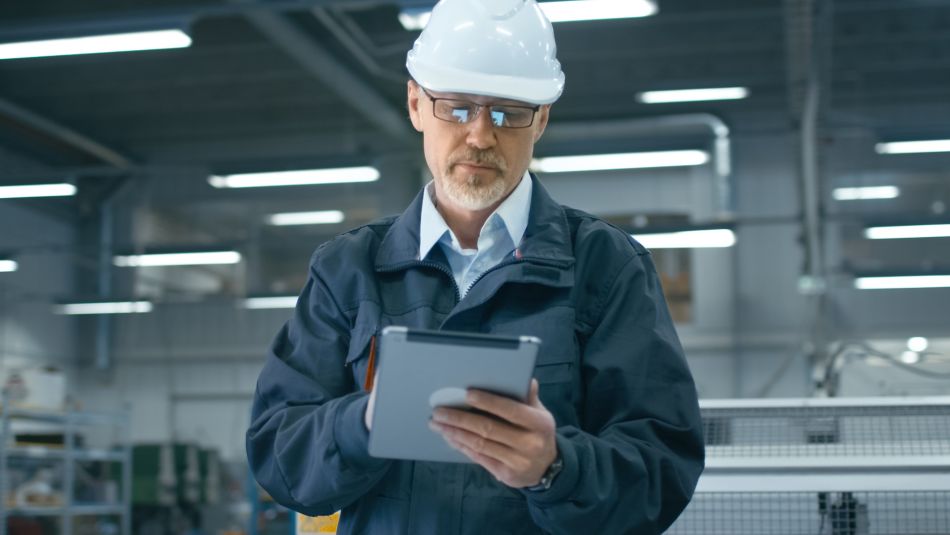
(289, 84)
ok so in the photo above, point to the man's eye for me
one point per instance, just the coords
(461, 114)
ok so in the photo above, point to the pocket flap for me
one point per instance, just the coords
(360, 338)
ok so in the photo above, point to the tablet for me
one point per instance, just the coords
(420, 370)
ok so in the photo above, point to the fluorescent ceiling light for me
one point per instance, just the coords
(907, 232)
(630, 160)
(693, 95)
(7, 266)
(178, 259)
(688, 239)
(917, 344)
(910, 357)
(597, 9)
(96, 44)
(119, 307)
(416, 19)
(913, 281)
(865, 193)
(323, 217)
(912, 147)
(37, 190)
(257, 303)
(296, 178)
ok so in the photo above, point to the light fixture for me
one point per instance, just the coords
(37, 190)
(178, 259)
(96, 44)
(257, 303)
(114, 307)
(865, 193)
(688, 239)
(597, 9)
(324, 217)
(902, 282)
(907, 232)
(630, 160)
(913, 147)
(910, 357)
(917, 344)
(414, 19)
(303, 177)
(7, 266)
(693, 95)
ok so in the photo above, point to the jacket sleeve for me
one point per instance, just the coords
(634, 465)
(307, 443)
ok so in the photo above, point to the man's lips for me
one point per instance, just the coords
(472, 165)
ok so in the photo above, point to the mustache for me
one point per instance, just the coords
(486, 158)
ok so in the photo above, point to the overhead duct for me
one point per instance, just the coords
(621, 128)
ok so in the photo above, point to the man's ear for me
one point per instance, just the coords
(412, 104)
(542, 121)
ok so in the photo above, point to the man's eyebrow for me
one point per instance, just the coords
(504, 102)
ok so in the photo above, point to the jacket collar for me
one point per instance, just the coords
(546, 239)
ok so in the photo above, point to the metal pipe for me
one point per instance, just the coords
(354, 48)
(328, 69)
(104, 321)
(618, 128)
(64, 134)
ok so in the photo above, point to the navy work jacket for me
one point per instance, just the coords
(611, 371)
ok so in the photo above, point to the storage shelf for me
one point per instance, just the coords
(46, 452)
(75, 510)
(69, 424)
(84, 418)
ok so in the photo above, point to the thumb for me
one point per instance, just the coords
(533, 398)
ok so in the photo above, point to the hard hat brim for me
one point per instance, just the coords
(449, 80)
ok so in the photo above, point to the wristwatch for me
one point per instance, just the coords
(548, 478)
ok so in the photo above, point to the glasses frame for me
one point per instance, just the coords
(478, 110)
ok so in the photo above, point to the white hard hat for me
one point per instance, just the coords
(496, 48)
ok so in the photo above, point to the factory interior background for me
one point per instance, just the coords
(798, 218)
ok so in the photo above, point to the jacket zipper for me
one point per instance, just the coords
(436, 265)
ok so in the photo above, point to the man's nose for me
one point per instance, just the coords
(481, 131)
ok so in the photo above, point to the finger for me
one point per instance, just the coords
(507, 409)
(481, 425)
(495, 467)
(484, 447)
(533, 398)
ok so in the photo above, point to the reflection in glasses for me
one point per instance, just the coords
(464, 111)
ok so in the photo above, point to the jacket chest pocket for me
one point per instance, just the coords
(557, 372)
(558, 363)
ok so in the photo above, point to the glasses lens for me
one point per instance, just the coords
(463, 112)
(512, 116)
(455, 111)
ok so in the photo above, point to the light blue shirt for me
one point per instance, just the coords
(497, 239)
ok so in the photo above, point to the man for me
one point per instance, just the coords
(610, 440)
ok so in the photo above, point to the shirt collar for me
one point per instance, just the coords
(513, 212)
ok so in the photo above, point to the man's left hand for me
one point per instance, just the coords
(514, 441)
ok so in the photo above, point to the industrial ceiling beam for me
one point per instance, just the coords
(63, 134)
(332, 73)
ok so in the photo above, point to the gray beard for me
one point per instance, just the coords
(473, 196)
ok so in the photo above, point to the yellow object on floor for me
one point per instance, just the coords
(317, 524)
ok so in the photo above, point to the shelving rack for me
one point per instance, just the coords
(69, 423)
